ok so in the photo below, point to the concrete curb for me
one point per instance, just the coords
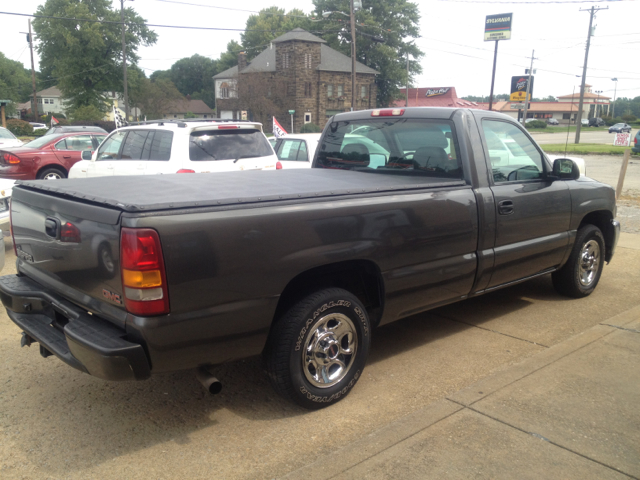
(375, 443)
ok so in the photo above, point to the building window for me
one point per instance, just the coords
(285, 60)
(340, 90)
(224, 90)
(363, 91)
(307, 89)
(291, 89)
(307, 117)
(566, 116)
(307, 60)
(329, 91)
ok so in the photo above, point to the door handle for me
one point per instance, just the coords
(505, 207)
(66, 156)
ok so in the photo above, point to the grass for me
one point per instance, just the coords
(564, 129)
(585, 148)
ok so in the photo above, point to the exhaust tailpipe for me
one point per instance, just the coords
(208, 381)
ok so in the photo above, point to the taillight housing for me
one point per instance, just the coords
(143, 273)
(278, 166)
(69, 233)
(186, 170)
(388, 112)
(11, 159)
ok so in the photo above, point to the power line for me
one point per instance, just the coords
(233, 9)
(518, 2)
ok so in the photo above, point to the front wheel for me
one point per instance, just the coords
(580, 275)
(318, 349)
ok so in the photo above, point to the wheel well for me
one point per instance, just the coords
(55, 167)
(360, 277)
(602, 220)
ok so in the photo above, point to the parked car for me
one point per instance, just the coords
(296, 150)
(619, 128)
(6, 187)
(636, 143)
(37, 126)
(49, 157)
(8, 139)
(529, 120)
(552, 121)
(584, 122)
(596, 122)
(272, 141)
(74, 128)
(181, 146)
(299, 265)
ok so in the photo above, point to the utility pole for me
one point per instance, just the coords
(493, 75)
(33, 77)
(584, 71)
(613, 112)
(353, 58)
(124, 65)
(526, 97)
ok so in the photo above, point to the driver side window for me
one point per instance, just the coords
(513, 156)
(111, 147)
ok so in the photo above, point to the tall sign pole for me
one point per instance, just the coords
(353, 58)
(584, 71)
(33, 77)
(526, 97)
(124, 64)
(496, 27)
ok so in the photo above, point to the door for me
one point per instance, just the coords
(69, 150)
(533, 211)
(107, 156)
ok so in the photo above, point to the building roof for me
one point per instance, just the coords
(49, 92)
(192, 106)
(437, 97)
(330, 60)
(298, 34)
(586, 95)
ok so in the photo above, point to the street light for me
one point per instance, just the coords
(358, 4)
(613, 113)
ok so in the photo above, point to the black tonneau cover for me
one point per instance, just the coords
(143, 193)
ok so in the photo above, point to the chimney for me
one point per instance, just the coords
(242, 61)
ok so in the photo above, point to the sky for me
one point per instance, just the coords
(451, 36)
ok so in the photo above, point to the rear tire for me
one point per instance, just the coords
(317, 350)
(580, 275)
(51, 173)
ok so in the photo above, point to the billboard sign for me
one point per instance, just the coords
(519, 88)
(498, 27)
(433, 92)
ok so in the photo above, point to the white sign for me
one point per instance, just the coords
(622, 140)
(517, 106)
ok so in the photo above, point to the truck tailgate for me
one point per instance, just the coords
(71, 247)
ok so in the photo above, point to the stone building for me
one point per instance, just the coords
(298, 71)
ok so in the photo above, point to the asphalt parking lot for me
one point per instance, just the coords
(56, 422)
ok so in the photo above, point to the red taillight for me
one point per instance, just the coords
(69, 233)
(13, 237)
(186, 170)
(143, 275)
(388, 112)
(11, 158)
(635, 140)
(227, 127)
(278, 166)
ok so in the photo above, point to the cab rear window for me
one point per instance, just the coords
(228, 145)
(392, 145)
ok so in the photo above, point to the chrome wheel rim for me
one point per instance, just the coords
(52, 176)
(329, 350)
(589, 262)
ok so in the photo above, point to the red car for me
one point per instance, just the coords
(49, 157)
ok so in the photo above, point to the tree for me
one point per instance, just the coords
(156, 97)
(86, 57)
(396, 21)
(229, 58)
(260, 97)
(271, 23)
(15, 82)
(194, 76)
(87, 113)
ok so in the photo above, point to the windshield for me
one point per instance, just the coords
(6, 134)
(42, 141)
(392, 145)
(228, 145)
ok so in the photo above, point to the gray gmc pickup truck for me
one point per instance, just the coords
(404, 210)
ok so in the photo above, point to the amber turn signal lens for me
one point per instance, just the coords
(141, 279)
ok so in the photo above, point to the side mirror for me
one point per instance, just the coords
(566, 169)
(377, 160)
(86, 154)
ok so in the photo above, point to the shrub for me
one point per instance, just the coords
(310, 128)
(19, 128)
(629, 118)
(536, 124)
(89, 113)
(608, 120)
(39, 132)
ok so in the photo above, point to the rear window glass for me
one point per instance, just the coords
(153, 145)
(386, 145)
(42, 141)
(228, 145)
